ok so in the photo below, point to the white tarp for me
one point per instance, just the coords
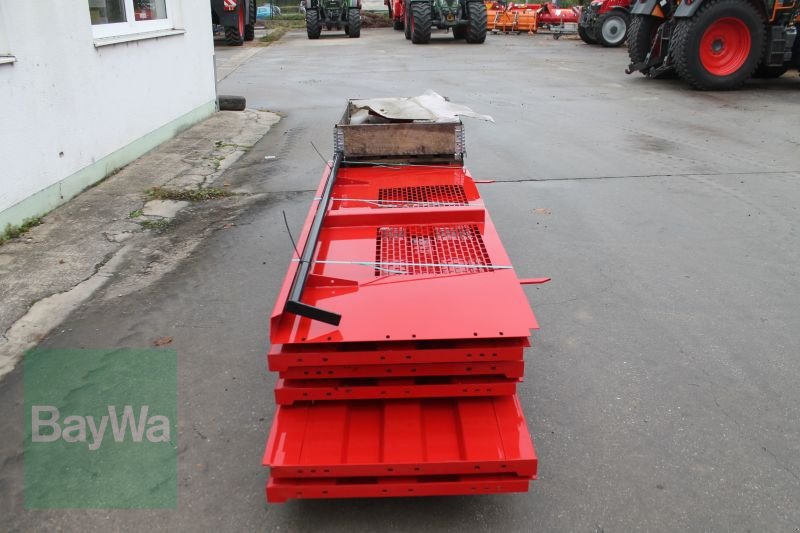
(428, 106)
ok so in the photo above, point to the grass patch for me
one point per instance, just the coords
(135, 214)
(14, 232)
(278, 27)
(190, 195)
(156, 225)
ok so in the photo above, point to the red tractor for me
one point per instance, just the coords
(605, 22)
(238, 17)
(397, 13)
(714, 44)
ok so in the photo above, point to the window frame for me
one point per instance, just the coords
(132, 27)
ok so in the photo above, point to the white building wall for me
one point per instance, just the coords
(66, 104)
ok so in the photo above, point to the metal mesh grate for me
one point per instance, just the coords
(414, 250)
(424, 195)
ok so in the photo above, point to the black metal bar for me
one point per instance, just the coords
(293, 304)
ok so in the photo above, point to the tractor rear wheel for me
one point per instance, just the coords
(720, 47)
(611, 29)
(407, 23)
(313, 26)
(250, 29)
(234, 35)
(476, 27)
(642, 32)
(420, 22)
(586, 35)
(354, 23)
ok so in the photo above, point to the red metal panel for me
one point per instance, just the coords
(280, 490)
(288, 392)
(433, 314)
(509, 369)
(283, 356)
(475, 303)
(401, 437)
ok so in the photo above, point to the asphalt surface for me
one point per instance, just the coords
(662, 388)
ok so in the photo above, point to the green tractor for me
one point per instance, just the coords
(466, 18)
(339, 14)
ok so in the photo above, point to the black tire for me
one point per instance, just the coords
(641, 32)
(770, 73)
(313, 26)
(230, 102)
(476, 27)
(612, 29)
(407, 23)
(586, 35)
(686, 45)
(233, 37)
(420, 22)
(398, 25)
(250, 29)
(460, 32)
(354, 23)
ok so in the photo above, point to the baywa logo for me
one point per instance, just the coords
(100, 429)
(75, 426)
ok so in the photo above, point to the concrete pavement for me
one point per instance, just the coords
(661, 390)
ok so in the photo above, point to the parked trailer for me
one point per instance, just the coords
(399, 330)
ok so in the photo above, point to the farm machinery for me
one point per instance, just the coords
(399, 331)
(529, 18)
(605, 22)
(237, 17)
(338, 14)
(713, 44)
(465, 18)
(513, 18)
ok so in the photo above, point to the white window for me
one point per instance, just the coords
(112, 18)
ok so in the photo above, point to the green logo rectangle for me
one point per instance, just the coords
(100, 429)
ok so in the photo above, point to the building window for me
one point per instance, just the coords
(121, 17)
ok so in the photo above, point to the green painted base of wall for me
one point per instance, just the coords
(48, 199)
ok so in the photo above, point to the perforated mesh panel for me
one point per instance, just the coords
(413, 250)
(423, 195)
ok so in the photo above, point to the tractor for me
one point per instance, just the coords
(237, 17)
(397, 13)
(713, 44)
(466, 18)
(605, 22)
(339, 14)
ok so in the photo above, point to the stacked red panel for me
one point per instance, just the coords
(411, 389)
